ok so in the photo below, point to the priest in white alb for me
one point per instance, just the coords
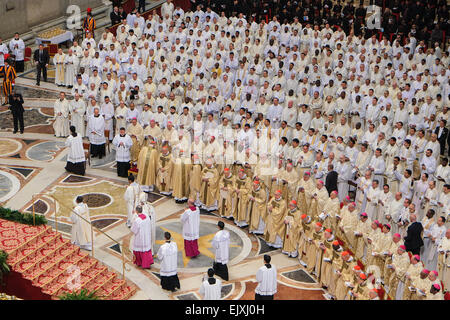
(81, 228)
(123, 144)
(142, 242)
(70, 63)
(77, 111)
(96, 133)
(191, 228)
(221, 243)
(61, 111)
(131, 198)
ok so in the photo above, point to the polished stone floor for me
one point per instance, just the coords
(32, 174)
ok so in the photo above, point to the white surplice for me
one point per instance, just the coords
(77, 110)
(168, 255)
(221, 242)
(96, 130)
(191, 224)
(267, 281)
(211, 291)
(81, 229)
(142, 231)
(76, 151)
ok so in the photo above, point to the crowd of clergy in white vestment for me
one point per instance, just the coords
(329, 146)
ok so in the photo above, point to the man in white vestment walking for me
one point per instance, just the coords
(168, 255)
(81, 229)
(221, 243)
(267, 280)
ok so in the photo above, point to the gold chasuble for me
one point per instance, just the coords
(257, 207)
(180, 178)
(195, 181)
(293, 228)
(147, 165)
(164, 175)
(275, 220)
(209, 189)
(346, 275)
(136, 132)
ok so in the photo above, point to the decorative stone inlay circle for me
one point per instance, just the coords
(9, 186)
(97, 200)
(8, 147)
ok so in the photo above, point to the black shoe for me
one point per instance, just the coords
(14, 132)
(21, 132)
(38, 84)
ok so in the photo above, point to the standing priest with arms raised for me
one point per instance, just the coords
(221, 243)
(123, 144)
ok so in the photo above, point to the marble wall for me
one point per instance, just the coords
(21, 15)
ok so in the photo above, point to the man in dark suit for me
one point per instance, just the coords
(42, 59)
(442, 133)
(16, 107)
(331, 180)
(413, 239)
(115, 16)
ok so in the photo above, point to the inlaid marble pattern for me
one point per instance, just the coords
(12, 179)
(45, 151)
(30, 149)
(207, 231)
(31, 117)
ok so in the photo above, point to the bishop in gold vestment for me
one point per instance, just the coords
(243, 188)
(209, 188)
(227, 199)
(136, 132)
(147, 164)
(164, 172)
(257, 211)
(293, 226)
(275, 227)
(344, 275)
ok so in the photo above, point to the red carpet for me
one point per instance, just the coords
(41, 263)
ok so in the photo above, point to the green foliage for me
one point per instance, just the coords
(4, 267)
(83, 294)
(24, 218)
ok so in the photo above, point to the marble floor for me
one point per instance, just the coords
(33, 178)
